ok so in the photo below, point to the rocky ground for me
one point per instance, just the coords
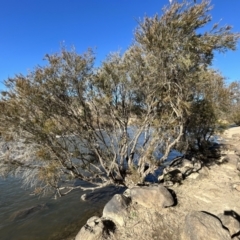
(204, 206)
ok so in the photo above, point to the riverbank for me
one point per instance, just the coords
(206, 203)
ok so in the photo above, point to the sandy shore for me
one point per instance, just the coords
(228, 134)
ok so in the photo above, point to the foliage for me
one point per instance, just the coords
(210, 105)
(99, 125)
(234, 110)
(236, 116)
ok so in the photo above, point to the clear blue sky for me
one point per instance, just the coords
(31, 28)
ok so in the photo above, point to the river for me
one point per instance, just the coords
(27, 217)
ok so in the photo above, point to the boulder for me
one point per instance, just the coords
(203, 226)
(92, 230)
(230, 222)
(116, 209)
(151, 196)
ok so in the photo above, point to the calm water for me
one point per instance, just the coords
(47, 218)
(58, 219)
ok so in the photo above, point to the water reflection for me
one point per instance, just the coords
(59, 219)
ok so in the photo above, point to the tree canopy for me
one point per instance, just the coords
(117, 123)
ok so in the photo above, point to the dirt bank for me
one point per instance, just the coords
(215, 190)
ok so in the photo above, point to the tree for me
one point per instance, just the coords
(208, 111)
(234, 109)
(116, 123)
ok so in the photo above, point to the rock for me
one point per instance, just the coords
(203, 173)
(238, 164)
(223, 159)
(168, 183)
(178, 169)
(116, 208)
(237, 151)
(230, 222)
(237, 186)
(175, 176)
(83, 197)
(215, 150)
(92, 230)
(194, 175)
(228, 150)
(182, 164)
(27, 212)
(4, 147)
(96, 228)
(203, 226)
(197, 165)
(152, 196)
(186, 166)
(160, 178)
(167, 169)
(226, 147)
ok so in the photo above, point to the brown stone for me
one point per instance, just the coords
(92, 230)
(203, 226)
(116, 209)
(152, 196)
(230, 222)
